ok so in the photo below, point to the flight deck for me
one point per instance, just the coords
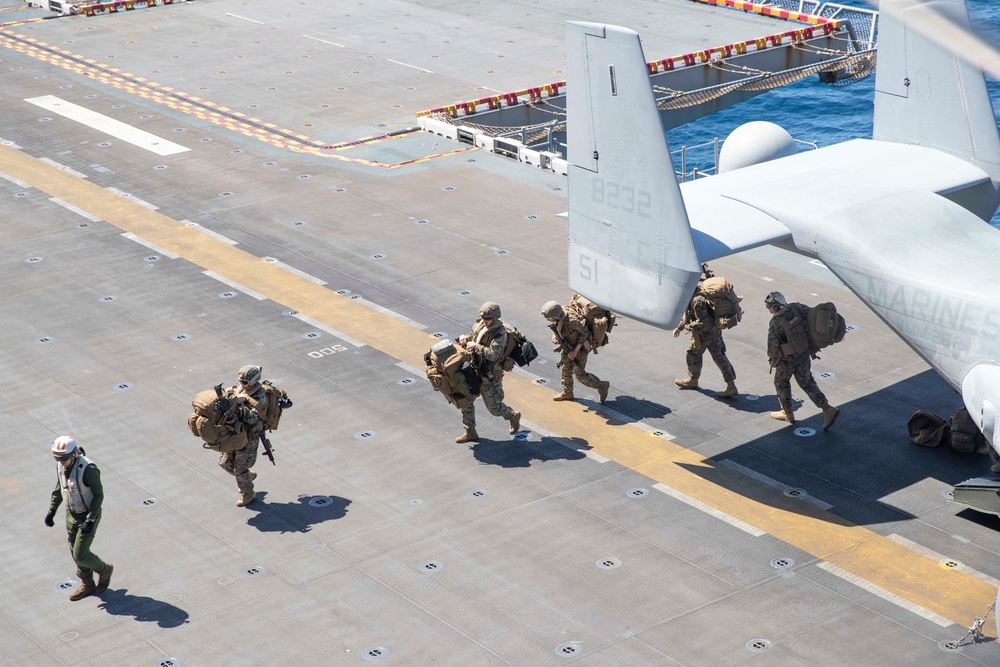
(187, 188)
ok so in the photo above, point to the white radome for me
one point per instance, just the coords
(753, 143)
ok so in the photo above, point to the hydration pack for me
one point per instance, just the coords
(599, 320)
(216, 421)
(726, 309)
(796, 332)
(826, 326)
(450, 371)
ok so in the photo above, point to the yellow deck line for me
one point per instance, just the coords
(855, 549)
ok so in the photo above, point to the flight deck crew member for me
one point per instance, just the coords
(78, 483)
(705, 335)
(250, 394)
(785, 320)
(573, 337)
(488, 341)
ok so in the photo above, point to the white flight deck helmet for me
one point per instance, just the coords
(64, 447)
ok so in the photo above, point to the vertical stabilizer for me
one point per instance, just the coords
(925, 94)
(630, 243)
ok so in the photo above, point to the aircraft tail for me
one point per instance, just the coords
(630, 243)
(927, 94)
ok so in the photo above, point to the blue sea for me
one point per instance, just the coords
(815, 112)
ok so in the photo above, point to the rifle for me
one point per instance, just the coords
(268, 450)
(563, 343)
(222, 404)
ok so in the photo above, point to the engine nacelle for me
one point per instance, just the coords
(981, 395)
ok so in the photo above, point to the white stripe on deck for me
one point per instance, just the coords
(107, 125)
(708, 509)
(330, 330)
(16, 181)
(933, 555)
(62, 167)
(292, 269)
(204, 230)
(565, 442)
(773, 483)
(235, 285)
(132, 197)
(152, 246)
(391, 313)
(78, 211)
(885, 595)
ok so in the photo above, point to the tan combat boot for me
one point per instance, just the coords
(104, 578)
(687, 383)
(565, 396)
(515, 423)
(783, 416)
(729, 392)
(995, 467)
(86, 588)
(602, 390)
(829, 416)
(468, 436)
(246, 499)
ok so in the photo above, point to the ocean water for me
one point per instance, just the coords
(815, 112)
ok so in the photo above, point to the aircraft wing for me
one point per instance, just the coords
(722, 225)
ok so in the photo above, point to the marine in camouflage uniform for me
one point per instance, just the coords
(573, 337)
(797, 365)
(488, 341)
(705, 335)
(253, 407)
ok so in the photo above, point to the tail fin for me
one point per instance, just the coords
(925, 93)
(630, 243)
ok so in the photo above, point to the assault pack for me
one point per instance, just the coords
(725, 302)
(599, 320)
(965, 434)
(821, 327)
(450, 371)
(519, 350)
(216, 421)
(277, 402)
(826, 326)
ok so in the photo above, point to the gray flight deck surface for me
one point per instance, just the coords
(376, 538)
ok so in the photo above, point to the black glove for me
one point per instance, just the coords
(87, 527)
(48, 518)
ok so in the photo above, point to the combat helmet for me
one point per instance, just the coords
(489, 309)
(249, 374)
(551, 310)
(775, 299)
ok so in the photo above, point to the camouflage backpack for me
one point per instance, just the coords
(599, 320)
(725, 302)
(216, 421)
(450, 371)
(277, 401)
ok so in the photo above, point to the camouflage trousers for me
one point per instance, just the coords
(87, 562)
(577, 367)
(238, 463)
(492, 393)
(799, 367)
(711, 340)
